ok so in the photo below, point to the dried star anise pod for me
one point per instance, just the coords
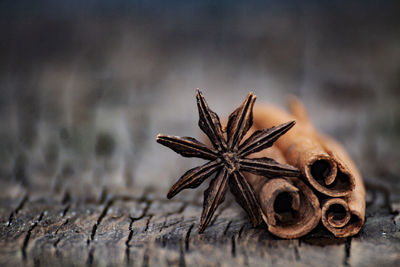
(227, 157)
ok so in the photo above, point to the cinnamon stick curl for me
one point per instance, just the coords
(324, 164)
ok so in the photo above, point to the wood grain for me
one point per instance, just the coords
(144, 229)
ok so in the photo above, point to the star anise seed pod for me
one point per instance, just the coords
(227, 158)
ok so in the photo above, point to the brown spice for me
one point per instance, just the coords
(290, 208)
(296, 220)
(303, 149)
(228, 158)
(324, 164)
(344, 217)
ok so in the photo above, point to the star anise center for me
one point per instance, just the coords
(231, 161)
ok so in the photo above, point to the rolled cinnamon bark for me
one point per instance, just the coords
(292, 209)
(289, 207)
(326, 166)
(301, 147)
(344, 217)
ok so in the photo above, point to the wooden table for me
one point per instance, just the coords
(139, 227)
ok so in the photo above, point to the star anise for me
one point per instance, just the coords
(227, 157)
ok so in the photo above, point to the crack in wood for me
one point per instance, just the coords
(241, 231)
(173, 223)
(130, 236)
(17, 209)
(178, 211)
(134, 219)
(28, 234)
(347, 250)
(296, 253)
(227, 227)
(55, 244)
(66, 209)
(148, 222)
(66, 201)
(101, 217)
(187, 237)
(64, 224)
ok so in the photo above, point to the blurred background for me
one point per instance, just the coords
(85, 86)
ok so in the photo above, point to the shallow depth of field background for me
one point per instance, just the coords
(85, 87)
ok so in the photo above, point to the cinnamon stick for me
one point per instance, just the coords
(344, 217)
(289, 207)
(325, 165)
(302, 148)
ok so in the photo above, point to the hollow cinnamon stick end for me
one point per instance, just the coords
(328, 176)
(291, 208)
(339, 219)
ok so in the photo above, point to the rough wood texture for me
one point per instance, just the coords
(141, 228)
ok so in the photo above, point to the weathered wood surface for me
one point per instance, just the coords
(83, 96)
(139, 227)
